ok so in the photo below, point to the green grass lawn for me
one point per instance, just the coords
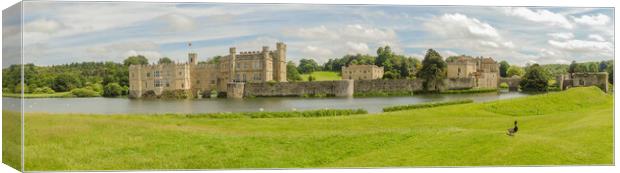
(573, 127)
(322, 76)
(55, 95)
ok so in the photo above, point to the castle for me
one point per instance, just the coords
(200, 79)
(362, 72)
(484, 71)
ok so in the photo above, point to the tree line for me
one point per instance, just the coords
(395, 66)
(86, 79)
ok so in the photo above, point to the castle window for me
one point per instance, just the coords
(197, 81)
(148, 74)
(182, 86)
(157, 83)
(156, 74)
(212, 81)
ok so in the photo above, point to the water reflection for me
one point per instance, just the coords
(123, 105)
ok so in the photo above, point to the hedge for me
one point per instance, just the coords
(289, 114)
(425, 105)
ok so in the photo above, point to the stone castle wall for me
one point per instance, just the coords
(584, 79)
(387, 86)
(327, 88)
(345, 87)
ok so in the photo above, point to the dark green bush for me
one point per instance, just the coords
(83, 92)
(425, 105)
(112, 90)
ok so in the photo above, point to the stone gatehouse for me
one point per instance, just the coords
(251, 66)
(362, 72)
(484, 71)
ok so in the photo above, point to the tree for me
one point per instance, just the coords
(311, 78)
(535, 79)
(514, 71)
(307, 66)
(165, 60)
(135, 60)
(214, 60)
(384, 54)
(292, 74)
(503, 68)
(572, 67)
(112, 90)
(433, 70)
(66, 82)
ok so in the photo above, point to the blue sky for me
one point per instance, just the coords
(63, 32)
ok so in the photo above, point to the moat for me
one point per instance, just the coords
(100, 105)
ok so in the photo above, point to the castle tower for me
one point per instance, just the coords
(264, 61)
(192, 55)
(279, 63)
(233, 58)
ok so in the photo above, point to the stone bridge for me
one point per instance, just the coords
(513, 82)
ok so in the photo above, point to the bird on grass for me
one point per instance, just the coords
(512, 131)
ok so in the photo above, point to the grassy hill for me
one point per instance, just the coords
(322, 76)
(573, 127)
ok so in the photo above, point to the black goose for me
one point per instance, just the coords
(512, 131)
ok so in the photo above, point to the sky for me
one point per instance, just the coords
(64, 32)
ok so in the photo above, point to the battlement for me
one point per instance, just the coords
(158, 66)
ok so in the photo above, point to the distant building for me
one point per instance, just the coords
(362, 72)
(598, 79)
(253, 66)
(485, 71)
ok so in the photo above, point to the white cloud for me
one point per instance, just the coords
(593, 20)
(447, 53)
(315, 32)
(354, 48)
(359, 32)
(489, 44)
(540, 16)
(596, 37)
(582, 45)
(562, 61)
(508, 44)
(256, 44)
(316, 52)
(178, 22)
(43, 26)
(342, 39)
(562, 35)
(460, 26)
(462, 30)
